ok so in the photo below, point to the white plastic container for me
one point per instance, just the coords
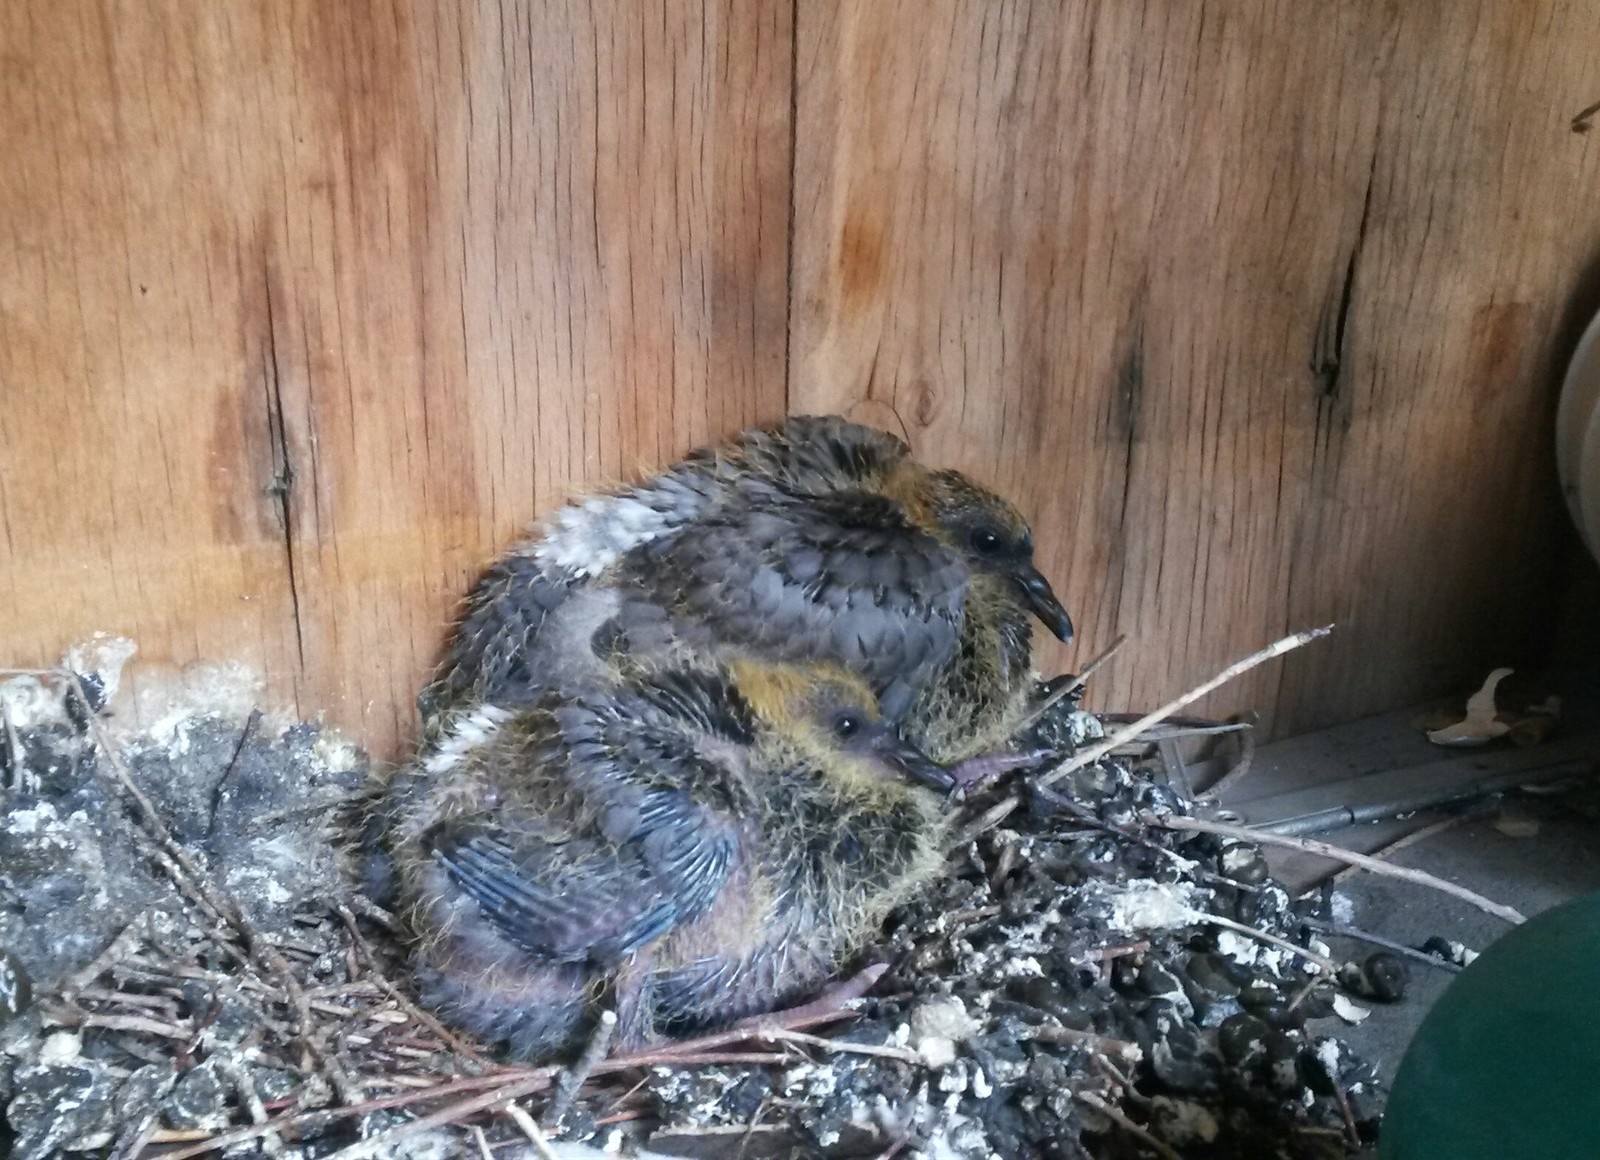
(1578, 437)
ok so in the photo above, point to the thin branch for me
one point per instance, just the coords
(1310, 956)
(574, 1077)
(1099, 1044)
(1404, 841)
(382, 1143)
(1137, 729)
(513, 1083)
(482, 1142)
(530, 1129)
(1333, 930)
(783, 1035)
(121, 946)
(1065, 691)
(451, 1040)
(536, 1079)
(1116, 1116)
(984, 822)
(1338, 853)
(73, 1017)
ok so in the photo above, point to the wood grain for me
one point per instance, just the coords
(1255, 306)
(307, 309)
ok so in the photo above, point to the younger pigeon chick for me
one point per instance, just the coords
(704, 842)
(819, 540)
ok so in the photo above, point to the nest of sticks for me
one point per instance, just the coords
(1100, 974)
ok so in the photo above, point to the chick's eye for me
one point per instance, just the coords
(985, 541)
(846, 726)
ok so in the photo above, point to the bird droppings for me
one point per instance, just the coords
(1152, 906)
(1057, 984)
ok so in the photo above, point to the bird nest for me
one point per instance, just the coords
(187, 972)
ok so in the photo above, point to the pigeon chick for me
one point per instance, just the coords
(704, 842)
(818, 540)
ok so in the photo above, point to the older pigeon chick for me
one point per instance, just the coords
(819, 540)
(703, 841)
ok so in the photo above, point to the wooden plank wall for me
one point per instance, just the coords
(1255, 306)
(307, 308)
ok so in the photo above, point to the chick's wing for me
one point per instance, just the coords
(559, 900)
(639, 838)
(844, 578)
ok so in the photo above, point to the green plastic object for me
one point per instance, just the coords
(1507, 1064)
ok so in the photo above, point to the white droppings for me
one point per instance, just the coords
(943, 1015)
(25, 703)
(1351, 1013)
(167, 706)
(335, 753)
(981, 1087)
(60, 1047)
(104, 655)
(1147, 905)
(1328, 1055)
(29, 821)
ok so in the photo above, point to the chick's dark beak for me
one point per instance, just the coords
(916, 765)
(1042, 600)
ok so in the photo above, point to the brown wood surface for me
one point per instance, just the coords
(306, 309)
(1253, 306)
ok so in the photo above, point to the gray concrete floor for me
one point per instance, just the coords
(1527, 850)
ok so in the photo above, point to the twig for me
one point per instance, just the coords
(135, 1137)
(1352, 1133)
(178, 1136)
(1351, 932)
(1122, 736)
(673, 1057)
(449, 1038)
(573, 1078)
(530, 1129)
(1324, 850)
(985, 822)
(1116, 1116)
(271, 1142)
(1107, 953)
(1123, 1080)
(1099, 1044)
(1065, 691)
(482, 1142)
(1304, 992)
(119, 949)
(537, 1079)
(833, 1003)
(250, 724)
(1421, 834)
(1177, 732)
(383, 1143)
(367, 908)
(195, 883)
(896, 1146)
(783, 1035)
(73, 1017)
(1241, 767)
(514, 1083)
(1310, 956)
